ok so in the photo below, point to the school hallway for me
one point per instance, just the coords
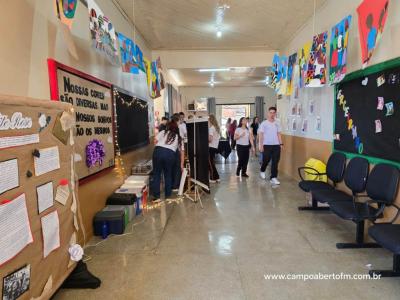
(246, 231)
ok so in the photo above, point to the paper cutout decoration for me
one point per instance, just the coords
(393, 79)
(283, 75)
(304, 57)
(380, 80)
(62, 194)
(126, 49)
(16, 283)
(381, 103)
(95, 153)
(316, 69)
(59, 133)
(378, 126)
(292, 62)
(43, 121)
(364, 82)
(389, 109)
(102, 33)
(65, 11)
(372, 16)
(338, 56)
(276, 77)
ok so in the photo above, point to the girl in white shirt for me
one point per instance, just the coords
(214, 134)
(244, 141)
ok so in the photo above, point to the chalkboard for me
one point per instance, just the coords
(132, 120)
(367, 113)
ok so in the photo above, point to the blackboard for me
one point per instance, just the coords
(362, 105)
(132, 120)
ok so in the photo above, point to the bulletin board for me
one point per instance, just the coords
(367, 113)
(37, 224)
(92, 102)
(132, 116)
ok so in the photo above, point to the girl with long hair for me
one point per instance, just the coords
(232, 129)
(244, 141)
(167, 143)
(214, 134)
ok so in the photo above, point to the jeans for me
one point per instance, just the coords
(163, 161)
(243, 153)
(176, 172)
(211, 164)
(271, 152)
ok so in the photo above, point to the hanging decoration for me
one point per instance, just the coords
(283, 75)
(372, 16)
(95, 153)
(276, 77)
(338, 56)
(134, 102)
(292, 62)
(316, 69)
(126, 49)
(304, 57)
(65, 11)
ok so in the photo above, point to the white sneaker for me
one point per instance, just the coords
(262, 175)
(275, 181)
(212, 181)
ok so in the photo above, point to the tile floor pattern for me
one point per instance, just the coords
(246, 230)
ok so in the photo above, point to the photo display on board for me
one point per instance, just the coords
(367, 108)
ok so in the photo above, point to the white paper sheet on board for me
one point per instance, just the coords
(9, 177)
(51, 233)
(15, 231)
(48, 161)
(15, 141)
(45, 196)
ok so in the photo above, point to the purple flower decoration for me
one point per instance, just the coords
(95, 153)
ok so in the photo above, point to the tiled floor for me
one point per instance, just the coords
(246, 230)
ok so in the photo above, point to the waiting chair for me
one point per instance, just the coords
(355, 179)
(334, 171)
(381, 189)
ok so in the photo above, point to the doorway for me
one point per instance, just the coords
(233, 111)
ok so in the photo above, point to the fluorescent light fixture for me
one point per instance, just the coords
(219, 33)
(215, 70)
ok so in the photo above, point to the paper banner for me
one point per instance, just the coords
(292, 62)
(338, 57)
(65, 11)
(316, 69)
(102, 33)
(372, 16)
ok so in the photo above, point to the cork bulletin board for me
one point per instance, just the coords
(93, 108)
(39, 212)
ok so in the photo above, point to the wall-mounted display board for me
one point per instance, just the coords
(367, 113)
(132, 120)
(38, 207)
(92, 102)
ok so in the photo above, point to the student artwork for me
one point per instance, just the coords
(389, 109)
(294, 109)
(65, 11)
(147, 64)
(126, 49)
(339, 42)
(16, 283)
(296, 80)
(294, 125)
(372, 16)
(283, 75)
(380, 80)
(318, 124)
(381, 103)
(311, 107)
(316, 69)
(299, 109)
(276, 77)
(304, 127)
(378, 126)
(138, 57)
(102, 33)
(95, 153)
(292, 62)
(304, 56)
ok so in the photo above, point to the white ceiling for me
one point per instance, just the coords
(233, 77)
(190, 24)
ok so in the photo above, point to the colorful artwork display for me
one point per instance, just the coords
(283, 67)
(276, 61)
(65, 11)
(102, 33)
(304, 57)
(126, 49)
(290, 73)
(316, 69)
(372, 16)
(339, 43)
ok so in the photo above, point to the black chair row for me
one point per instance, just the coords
(381, 186)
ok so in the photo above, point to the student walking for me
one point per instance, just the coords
(244, 141)
(214, 134)
(270, 143)
(232, 129)
(254, 128)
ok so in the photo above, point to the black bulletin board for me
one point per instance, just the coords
(356, 99)
(132, 120)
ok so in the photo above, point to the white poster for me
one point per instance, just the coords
(9, 177)
(21, 140)
(48, 161)
(15, 231)
(51, 233)
(45, 196)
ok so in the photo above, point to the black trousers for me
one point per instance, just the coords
(211, 164)
(176, 171)
(243, 153)
(233, 142)
(271, 152)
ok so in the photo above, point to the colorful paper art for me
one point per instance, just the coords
(65, 11)
(102, 33)
(316, 69)
(304, 56)
(283, 67)
(276, 77)
(339, 43)
(372, 16)
(95, 153)
(126, 49)
(290, 73)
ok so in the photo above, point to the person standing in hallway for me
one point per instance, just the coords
(214, 134)
(164, 157)
(232, 129)
(227, 126)
(244, 140)
(270, 143)
(254, 129)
